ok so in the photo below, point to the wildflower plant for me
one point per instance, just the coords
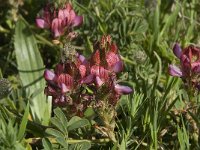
(81, 98)
(78, 83)
(189, 72)
(189, 66)
(58, 20)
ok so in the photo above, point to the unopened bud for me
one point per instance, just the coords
(139, 56)
(5, 88)
(56, 42)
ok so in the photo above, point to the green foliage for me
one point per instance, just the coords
(63, 128)
(11, 135)
(159, 115)
(183, 137)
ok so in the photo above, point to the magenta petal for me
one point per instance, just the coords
(81, 58)
(72, 16)
(64, 88)
(196, 67)
(59, 69)
(118, 67)
(66, 13)
(175, 71)
(88, 79)
(99, 82)
(61, 14)
(78, 20)
(95, 70)
(177, 50)
(41, 23)
(49, 75)
(57, 27)
(82, 70)
(121, 89)
(66, 79)
(112, 58)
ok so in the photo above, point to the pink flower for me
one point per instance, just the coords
(78, 82)
(189, 61)
(189, 64)
(105, 62)
(107, 55)
(59, 21)
(45, 18)
(57, 27)
(114, 62)
(101, 75)
(58, 84)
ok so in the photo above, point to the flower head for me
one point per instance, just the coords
(68, 83)
(189, 64)
(105, 63)
(58, 85)
(59, 21)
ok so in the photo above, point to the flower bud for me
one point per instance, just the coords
(5, 88)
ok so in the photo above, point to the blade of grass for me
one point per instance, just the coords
(23, 124)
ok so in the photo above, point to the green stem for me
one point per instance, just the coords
(70, 141)
(127, 60)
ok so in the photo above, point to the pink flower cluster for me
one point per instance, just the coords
(189, 69)
(58, 21)
(67, 84)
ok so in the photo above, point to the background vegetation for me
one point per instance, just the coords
(158, 115)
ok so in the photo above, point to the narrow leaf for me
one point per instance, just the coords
(23, 124)
(47, 144)
(31, 67)
(54, 132)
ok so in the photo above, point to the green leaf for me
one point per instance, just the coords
(183, 137)
(85, 145)
(58, 112)
(56, 122)
(31, 68)
(47, 144)
(23, 124)
(77, 122)
(80, 146)
(54, 132)
(62, 142)
(123, 145)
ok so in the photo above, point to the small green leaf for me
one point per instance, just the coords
(62, 142)
(59, 113)
(84, 145)
(60, 121)
(77, 122)
(47, 144)
(54, 132)
(58, 124)
(123, 145)
(80, 146)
